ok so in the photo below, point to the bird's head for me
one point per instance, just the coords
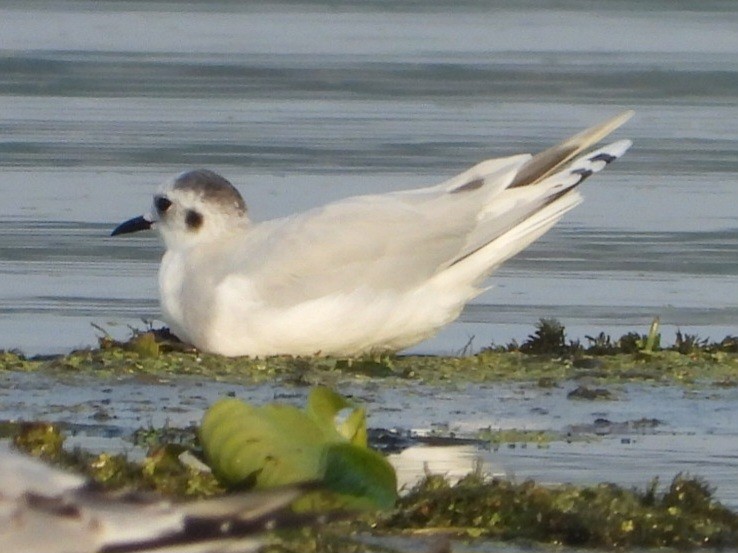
(195, 207)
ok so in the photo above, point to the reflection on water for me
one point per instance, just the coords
(299, 103)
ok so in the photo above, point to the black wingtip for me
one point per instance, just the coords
(604, 156)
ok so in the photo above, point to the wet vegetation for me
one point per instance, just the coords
(279, 444)
(168, 468)
(683, 514)
(547, 356)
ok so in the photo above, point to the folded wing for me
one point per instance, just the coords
(393, 242)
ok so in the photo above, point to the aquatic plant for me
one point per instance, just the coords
(549, 338)
(278, 444)
(40, 439)
(652, 341)
(689, 343)
(161, 470)
(601, 344)
(684, 514)
(510, 437)
(631, 342)
(728, 344)
(603, 515)
(637, 356)
(645, 344)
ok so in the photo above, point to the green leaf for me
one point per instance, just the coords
(280, 444)
(326, 406)
(271, 445)
(361, 475)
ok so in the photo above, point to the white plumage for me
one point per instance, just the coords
(369, 273)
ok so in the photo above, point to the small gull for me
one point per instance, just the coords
(45, 510)
(365, 274)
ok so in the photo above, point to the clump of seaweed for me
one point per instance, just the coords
(549, 338)
(601, 344)
(686, 343)
(729, 344)
(162, 470)
(603, 515)
(548, 356)
(16, 361)
(513, 437)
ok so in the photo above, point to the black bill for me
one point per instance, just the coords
(132, 225)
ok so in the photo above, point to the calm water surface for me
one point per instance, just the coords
(299, 103)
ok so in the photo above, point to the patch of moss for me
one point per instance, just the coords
(511, 437)
(336, 538)
(14, 361)
(590, 394)
(684, 514)
(604, 515)
(151, 438)
(40, 439)
(546, 357)
(161, 470)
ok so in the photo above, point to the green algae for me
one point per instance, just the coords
(14, 361)
(684, 515)
(512, 437)
(487, 366)
(547, 356)
(162, 470)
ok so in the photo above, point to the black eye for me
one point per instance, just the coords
(193, 219)
(162, 203)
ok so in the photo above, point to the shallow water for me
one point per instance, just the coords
(646, 431)
(302, 102)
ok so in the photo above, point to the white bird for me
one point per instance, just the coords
(44, 510)
(364, 274)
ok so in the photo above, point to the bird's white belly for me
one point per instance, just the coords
(186, 303)
(340, 324)
(171, 276)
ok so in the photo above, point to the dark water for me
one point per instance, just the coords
(302, 102)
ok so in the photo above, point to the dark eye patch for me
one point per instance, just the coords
(162, 204)
(193, 219)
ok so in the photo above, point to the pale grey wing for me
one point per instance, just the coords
(375, 243)
(395, 242)
(519, 215)
(541, 181)
(390, 243)
(486, 171)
